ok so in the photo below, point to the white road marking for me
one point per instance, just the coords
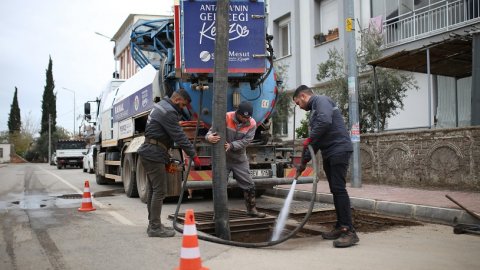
(116, 215)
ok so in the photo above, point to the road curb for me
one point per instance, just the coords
(433, 214)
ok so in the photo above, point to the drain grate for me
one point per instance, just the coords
(70, 196)
(242, 227)
(103, 193)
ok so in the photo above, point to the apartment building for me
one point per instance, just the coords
(304, 31)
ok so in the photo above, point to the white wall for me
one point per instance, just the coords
(415, 111)
(6, 153)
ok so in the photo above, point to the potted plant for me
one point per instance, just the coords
(332, 34)
(319, 38)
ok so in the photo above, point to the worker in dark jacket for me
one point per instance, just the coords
(161, 132)
(240, 132)
(329, 135)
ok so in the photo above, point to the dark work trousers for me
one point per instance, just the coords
(156, 190)
(336, 170)
(241, 174)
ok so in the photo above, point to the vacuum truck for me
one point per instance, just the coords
(179, 53)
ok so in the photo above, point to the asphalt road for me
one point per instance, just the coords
(40, 228)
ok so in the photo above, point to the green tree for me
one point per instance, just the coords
(49, 109)
(391, 88)
(14, 120)
(302, 130)
(41, 149)
(49, 102)
(26, 136)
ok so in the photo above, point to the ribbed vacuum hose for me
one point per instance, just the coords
(217, 240)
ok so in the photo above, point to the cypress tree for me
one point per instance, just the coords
(14, 120)
(49, 101)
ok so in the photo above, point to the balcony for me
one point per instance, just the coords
(443, 16)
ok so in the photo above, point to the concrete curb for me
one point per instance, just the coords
(417, 212)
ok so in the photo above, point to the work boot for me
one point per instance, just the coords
(161, 231)
(333, 234)
(149, 228)
(347, 238)
(252, 211)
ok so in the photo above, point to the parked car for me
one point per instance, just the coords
(88, 165)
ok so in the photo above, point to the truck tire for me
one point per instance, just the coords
(128, 176)
(141, 177)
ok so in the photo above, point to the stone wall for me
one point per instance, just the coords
(436, 158)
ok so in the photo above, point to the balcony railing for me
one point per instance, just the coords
(436, 18)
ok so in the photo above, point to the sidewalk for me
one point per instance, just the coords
(414, 203)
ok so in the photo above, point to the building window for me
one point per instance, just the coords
(284, 40)
(328, 15)
(1, 152)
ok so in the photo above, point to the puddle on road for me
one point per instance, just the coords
(34, 202)
(61, 201)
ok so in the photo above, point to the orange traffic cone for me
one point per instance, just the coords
(190, 253)
(86, 200)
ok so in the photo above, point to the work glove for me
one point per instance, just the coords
(196, 162)
(300, 168)
(306, 142)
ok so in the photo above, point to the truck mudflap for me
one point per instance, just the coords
(101, 164)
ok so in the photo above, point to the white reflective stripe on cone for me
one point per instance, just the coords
(86, 200)
(190, 253)
(86, 190)
(189, 230)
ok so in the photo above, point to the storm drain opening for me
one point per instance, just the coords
(72, 196)
(246, 229)
(103, 193)
(243, 228)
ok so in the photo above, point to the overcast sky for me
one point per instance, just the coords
(33, 30)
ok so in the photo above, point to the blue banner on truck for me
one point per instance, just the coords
(141, 101)
(246, 36)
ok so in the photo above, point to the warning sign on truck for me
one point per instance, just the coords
(246, 36)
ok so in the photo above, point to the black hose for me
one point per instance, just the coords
(243, 244)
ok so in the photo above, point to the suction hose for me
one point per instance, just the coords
(243, 244)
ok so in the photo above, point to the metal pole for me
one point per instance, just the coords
(49, 139)
(111, 39)
(475, 103)
(220, 85)
(294, 119)
(429, 82)
(351, 57)
(375, 79)
(74, 116)
(456, 102)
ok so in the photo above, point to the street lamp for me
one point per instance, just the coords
(74, 116)
(111, 39)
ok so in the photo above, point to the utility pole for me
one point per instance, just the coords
(220, 85)
(49, 139)
(352, 77)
